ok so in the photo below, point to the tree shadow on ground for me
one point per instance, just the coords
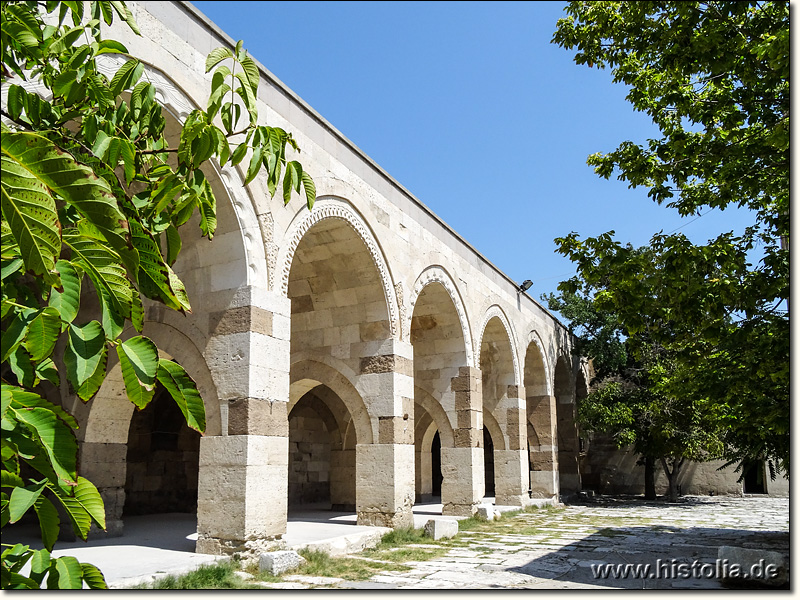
(650, 557)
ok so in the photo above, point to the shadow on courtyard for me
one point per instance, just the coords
(665, 556)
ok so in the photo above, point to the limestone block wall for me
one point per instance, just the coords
(309, 458)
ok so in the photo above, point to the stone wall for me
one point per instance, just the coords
(309, 458)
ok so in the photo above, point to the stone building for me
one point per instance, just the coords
(359, 355)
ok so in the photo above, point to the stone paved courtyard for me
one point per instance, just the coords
(555, 549)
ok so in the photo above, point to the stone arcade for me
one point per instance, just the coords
(360, 355)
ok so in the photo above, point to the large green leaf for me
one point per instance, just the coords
(138, 358)
(54, 437)
(156, 279)
(83, 506)
(93, 577)
(21, 398)
(70, 574)
(42, 333)
(105, 269)
(22, 498)
(40, 564)
(49, 521)
(68, 301)
(20, 364)
(183, 390)
(16, 332)
(44, 162)
(30, 212)
(85, 358)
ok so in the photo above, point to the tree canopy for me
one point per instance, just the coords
(94, 198)
(714, 78)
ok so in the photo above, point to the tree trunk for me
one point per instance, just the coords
(672, 477)
(650, 478)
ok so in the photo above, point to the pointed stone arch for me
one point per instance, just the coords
(492, 312)
(335, 208)
(437, 274)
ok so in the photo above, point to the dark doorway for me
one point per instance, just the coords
(436, 466)
(754, 479)
(162, 460)
(488, 462)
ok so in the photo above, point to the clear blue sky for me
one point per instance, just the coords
(471, 108)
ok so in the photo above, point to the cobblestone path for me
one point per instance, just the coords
(556, 549)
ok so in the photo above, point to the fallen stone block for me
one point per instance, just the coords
(747, 567)
(441, 528)
(280, 561)
(487, 512)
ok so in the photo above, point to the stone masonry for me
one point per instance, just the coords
(332, 346)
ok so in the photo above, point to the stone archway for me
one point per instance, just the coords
(106, 445)
(343, 312)
(444, 387)
(540, 410)
(502, 405)
(568, 446)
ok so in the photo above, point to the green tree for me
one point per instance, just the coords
(714, 77)
(632, 397)
(92, 191)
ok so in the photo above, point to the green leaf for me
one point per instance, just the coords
(30, 212)
(21, 398)
(85, 358)
(173, 238)
(68, 301)
(54, 437)
(83, 506)
(310, 189)
(49, 521)
(154, 274)
(216, 56)
(138, 359)
(70, 574)
(43, 161)
(40, 564)
(47, 370)
(93, 577)
(183, 390)
(104, 267)
(22, 499)
(20, 363)
(110, 46)
(16, 332)
(42, 333)
(126, 76)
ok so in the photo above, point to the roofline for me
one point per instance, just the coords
(266, 73)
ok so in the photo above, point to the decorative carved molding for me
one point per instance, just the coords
(331, 208)
(437, 274)
(496, 311)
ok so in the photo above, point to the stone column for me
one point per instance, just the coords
(463, 484)
(568, 450)
(243, 479)
(544, 454)
(511, 464)
(385, 468)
